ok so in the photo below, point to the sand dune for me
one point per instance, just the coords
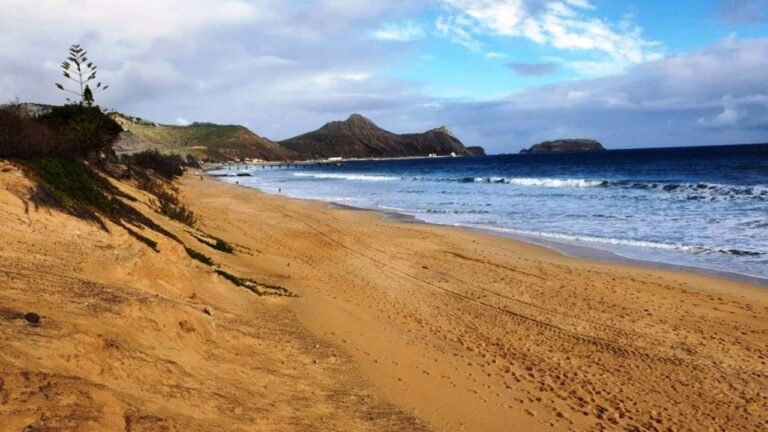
(397, 327)
(134, 340)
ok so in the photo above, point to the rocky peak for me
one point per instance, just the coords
(358, 120)
(444, 129)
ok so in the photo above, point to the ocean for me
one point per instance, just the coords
(703, 207)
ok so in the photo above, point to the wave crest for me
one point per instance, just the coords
(632, 243)
(337, 176)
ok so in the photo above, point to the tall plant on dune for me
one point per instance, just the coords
(81, 71)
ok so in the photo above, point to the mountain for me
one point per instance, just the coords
(355, 137)
(566, 146)
(361, 138)
(205, 140)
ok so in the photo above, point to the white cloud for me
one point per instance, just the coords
(584, 4)
(739, 113)
(137, 22)
(264, 61)
(181, 121)
(405, 32)
(333, 78)
(458, 29)
(562, 25)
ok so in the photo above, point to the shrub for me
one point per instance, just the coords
(216, 243)
(147, 241)
(167, 166)
(167, 201)
(84, 129)
(23, 137)
(254, 286)
(198, 256)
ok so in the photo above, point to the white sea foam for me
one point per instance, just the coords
(360, 177)
(536, 182)
(608, 241)
(553, 183)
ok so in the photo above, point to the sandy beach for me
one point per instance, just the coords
(396, 327)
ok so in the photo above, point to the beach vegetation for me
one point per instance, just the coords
(258, 288)
(199, 256)
(72, 186)
(76, 188)
(164, 197)
(69, 131)
(216, 243)
(83, 130)
(67, 152)
(146, 240)
(82, 72)
(168, 166)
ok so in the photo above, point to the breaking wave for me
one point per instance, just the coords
(632, 243)
(691, 191)
(338, 176)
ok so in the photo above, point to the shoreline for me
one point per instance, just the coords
(569, 250)
(329, 161)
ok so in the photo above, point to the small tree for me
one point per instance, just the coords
(78, 69)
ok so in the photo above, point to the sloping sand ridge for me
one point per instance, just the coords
(397, 327)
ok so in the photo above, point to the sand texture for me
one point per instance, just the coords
(396, 327)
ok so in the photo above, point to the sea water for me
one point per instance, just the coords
(703, 207)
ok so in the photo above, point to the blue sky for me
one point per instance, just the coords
(504, 74)
(451, 70)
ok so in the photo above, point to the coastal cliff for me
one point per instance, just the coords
(566, 146)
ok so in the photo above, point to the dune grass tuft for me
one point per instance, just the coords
(199, 256)
(258, 288)
(216, 243)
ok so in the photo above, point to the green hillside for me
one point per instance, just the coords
(204, 140)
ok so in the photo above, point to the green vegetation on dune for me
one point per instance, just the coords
(215, 243)
(199, 256)
(72, 186)
(258, 288)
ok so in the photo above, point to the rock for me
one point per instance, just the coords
(566, 146)
(476, 151)
(32, 318)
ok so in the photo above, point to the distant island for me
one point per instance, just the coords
(566, 146)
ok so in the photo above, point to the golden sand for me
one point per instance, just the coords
(397, 327)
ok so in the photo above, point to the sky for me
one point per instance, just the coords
(503, 74)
